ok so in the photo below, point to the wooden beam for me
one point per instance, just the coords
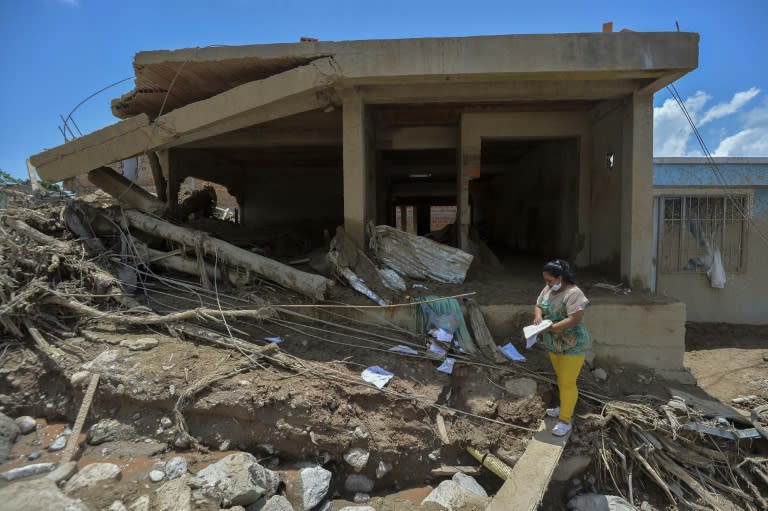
(288, 93)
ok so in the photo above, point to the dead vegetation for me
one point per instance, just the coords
(70, 267)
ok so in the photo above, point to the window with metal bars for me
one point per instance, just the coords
(693, 227)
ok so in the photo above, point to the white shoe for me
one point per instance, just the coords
(553, 412)
(562, 428)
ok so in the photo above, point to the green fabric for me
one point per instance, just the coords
(444, 307)
(571, 341)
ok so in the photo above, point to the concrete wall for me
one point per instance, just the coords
(743, 299)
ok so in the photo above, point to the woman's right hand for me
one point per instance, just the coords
(537, 319)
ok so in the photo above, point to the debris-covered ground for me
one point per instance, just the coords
(219, 388)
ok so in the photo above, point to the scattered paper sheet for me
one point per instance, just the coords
(406, 350)
(377, 376)
(441, 335)
(511, 352)
(531, 332)
(274, 340)
(447, 366)
(437, 349)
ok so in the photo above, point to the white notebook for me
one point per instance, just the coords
(532, 331)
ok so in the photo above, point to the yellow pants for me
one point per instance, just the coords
(567, 369)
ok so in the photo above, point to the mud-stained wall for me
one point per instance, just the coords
(605, 230)
(743, 298)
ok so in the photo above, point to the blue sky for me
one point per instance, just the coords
(54, 53)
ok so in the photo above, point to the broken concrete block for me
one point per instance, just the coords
(469, 483)
(238, 479)
(38, 494)
(26, 424)
(357, 458)
(358, 483)
(452, 496)
(93, 475)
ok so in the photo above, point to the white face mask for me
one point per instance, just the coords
(556, 287)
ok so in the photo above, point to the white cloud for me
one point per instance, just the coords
(673, 134)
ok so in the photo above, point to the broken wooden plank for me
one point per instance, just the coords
(309, 284)
(74, 438)
(525, 488)
(480, 332)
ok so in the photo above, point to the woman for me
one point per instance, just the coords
(566, 340)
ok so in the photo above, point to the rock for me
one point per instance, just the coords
(469, 483)
(38, 494)
(26, 471)
(9, 432)
(382, 469)
(453, 497)
(313, 485)
(361, 497)
(358, 483)
(33, 455)
(508, 456)
(357, 508)
(93, 475)
(166, 422)
(26, 424)
(156, 476)
(108, 430)
(357, 457)
(678, 404)
(58, 444)
(143, 344)
(79, 378)
(276, 503)
(600, 374)
(174, 495)
(521, 387)
(140, 504)
(117, 506)
(237, 508)
(238, 479)
(570, 467)
(62, 472)
(596, 502)
(136, 416)
(224, 446)
(175, 467)
(360, 433)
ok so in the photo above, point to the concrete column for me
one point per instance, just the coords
(637, 191)
(469, 168)
(356, 160)
(423, 219)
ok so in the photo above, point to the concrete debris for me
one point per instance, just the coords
(596, 502)
(38, 494)
(469, 483)
(26, 424)
(175, 467)
(58, 443)
(358, 483)
(93, 475)
(143, 344)
(238, 479)
(26, 471)
(156, 476)
(453, 497)
(174, 495)
(357, 458)
(313, 486)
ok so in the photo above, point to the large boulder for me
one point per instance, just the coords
(93, 475)
(238, 479)
(454, 497)
(38, 494)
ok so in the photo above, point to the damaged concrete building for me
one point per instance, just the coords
(542, 144)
